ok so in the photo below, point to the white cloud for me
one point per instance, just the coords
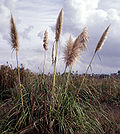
(11, 4)
(33, 17)
(79, 13)
(25, 33)
(6, 6)
(4, 15)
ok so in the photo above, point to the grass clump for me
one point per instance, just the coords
(85, 114)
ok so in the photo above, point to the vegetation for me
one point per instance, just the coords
(96, 110)
(58, 104)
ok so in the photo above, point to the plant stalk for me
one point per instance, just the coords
(53, 85)
(68, 78)
(20, 82)
(86, 73)
(44, 63)
(65, 69)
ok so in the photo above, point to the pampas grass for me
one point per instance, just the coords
(53, 56)
(102, 39)
(57, 37)
(68, 52)
(45, 46)
(98, 47)
(15, 46)
(45, 41)
(59, 25)
(49, 107)
(73, 50)
(13, 34)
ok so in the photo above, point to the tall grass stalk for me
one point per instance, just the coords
(98, 47)
(58, 33)
(21, 88)
(68, 78)
(44, 63)
(14, 44)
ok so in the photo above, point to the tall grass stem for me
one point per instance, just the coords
(68, 79)
(44, 62)
(21, 92)
(53, 85)
(85, 74)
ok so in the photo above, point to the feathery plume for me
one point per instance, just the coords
(82, 39)
(68, 50)
(13, 34)
(45, 41)
(59, 25)
(102, 39)
(73, 50)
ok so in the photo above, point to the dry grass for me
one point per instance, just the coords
(14, 44)
(38, 106)
(68, 50)
(98, 47)
(81, 40)
(59, 25)
(13, 34)
(45, 46)
(73, 50)
(53, 55)
(57, 37)
(50, 108)
(45, 41)
(102, 39)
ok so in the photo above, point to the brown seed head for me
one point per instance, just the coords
(68, 50)
(13, 34)
(53, 56)
(59, 25)
(45, 41)
(102, 39)
(73, 50)
(82, 39)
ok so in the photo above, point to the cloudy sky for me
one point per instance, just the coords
(33, 17)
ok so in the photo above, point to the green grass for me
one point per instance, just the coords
(84, 114)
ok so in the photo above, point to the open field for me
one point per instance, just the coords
(96, 109)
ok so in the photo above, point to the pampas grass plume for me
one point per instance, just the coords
(13, 34)
(45, 41)
(59, 25)
(53, 56)
(102, 39)
(73, 50)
